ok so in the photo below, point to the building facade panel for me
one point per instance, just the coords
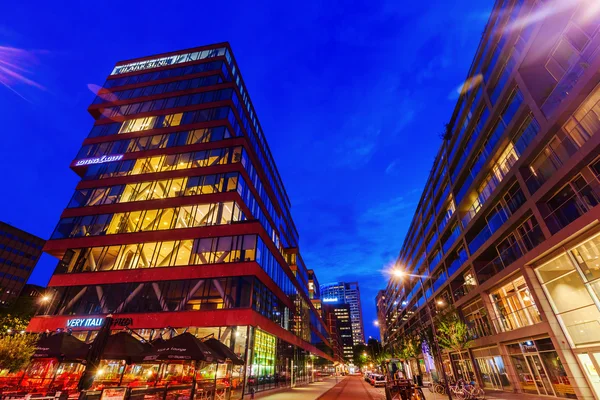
(504, 233)
(181, 222)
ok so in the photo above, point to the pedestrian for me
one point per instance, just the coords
(252, 391)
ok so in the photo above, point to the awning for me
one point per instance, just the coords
(62, 346)
(123, 346)
(181, 348)
(223, 351)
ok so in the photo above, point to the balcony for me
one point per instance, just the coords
(517, 319)
(573, 207)
(516, 250)
(571, 77)
(502, 167)
(449, 242)
(462, 290)
(553, 157)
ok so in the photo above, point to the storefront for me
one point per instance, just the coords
(492, 369)
(539, 369)
(571, 282)
(462, 366)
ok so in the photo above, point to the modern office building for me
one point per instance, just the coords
(19, 253)
(348, 293)
(181, 222)
(507, 229)
(339, 316)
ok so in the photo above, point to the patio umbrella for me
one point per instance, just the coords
(181, 348)
(123, 346)
(62, 346)
(93, 357)
(225, 352)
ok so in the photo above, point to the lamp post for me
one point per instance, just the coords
(400, 274)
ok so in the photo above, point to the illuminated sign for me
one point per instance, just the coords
(138, 66)
(96, 322)
(98, 160)
(85, 322)
(171, 60)
(330, 299)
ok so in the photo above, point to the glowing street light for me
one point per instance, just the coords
(376, 323)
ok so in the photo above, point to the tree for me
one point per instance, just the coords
(16, 351)
(360, 356)
(453, 334)
(13, 323)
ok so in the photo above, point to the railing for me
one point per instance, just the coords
(556, 156)
(501, 169)
(463, 290)
(457, 262)
(574, 207)
(449, 242)
(517, 319)
(510, 254)
(570, 79)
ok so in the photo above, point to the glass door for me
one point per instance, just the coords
(540, 376)
(489, 373)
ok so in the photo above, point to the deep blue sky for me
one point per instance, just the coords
(352, 96)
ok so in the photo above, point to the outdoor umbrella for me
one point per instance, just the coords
(62, 346)
(223, 351)
(181, 348)
(93, 357)
(123, 346)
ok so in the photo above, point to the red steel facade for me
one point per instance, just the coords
(181, 221)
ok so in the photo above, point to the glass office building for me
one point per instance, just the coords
(181, 221)
(348, 293)
(506, 230)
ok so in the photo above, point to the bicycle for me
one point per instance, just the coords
(437, 387)
(467, 391)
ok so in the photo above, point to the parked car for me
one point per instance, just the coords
(368, 376)
(378, 380)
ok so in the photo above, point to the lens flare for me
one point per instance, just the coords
(590, 8)
(15, 65)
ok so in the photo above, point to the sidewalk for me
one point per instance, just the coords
(307, 392)
(489, 395)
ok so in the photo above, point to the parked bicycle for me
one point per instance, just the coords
(437, 387)
(462, 390)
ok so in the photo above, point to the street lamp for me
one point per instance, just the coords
(376, 323)
(42, 300)
(398, 273)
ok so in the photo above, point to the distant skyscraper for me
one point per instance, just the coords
(349, 293)
(19, 252)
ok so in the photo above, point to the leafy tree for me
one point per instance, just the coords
(360, 355)
(453, 334)
(16, 351)
(13, 323)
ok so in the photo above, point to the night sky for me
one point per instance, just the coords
(352, 96)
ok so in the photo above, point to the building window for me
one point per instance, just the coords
(571, 282)
(514, 306)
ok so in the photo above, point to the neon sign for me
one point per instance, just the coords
(85, 322)
(96, 322)
(330, 299)
(98, 160)
(138, 66)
